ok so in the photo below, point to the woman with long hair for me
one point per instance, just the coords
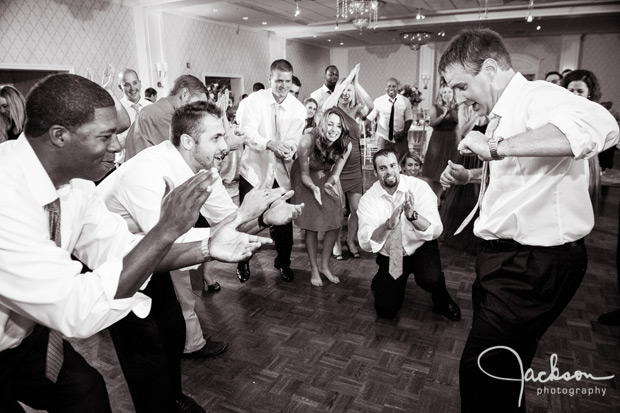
(315, 176)
(443, 142)
(353, 100)
(311, 109)
(13, 108)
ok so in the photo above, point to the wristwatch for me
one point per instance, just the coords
(414, 216)
(493, 142)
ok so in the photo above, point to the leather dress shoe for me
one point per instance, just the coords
(448, 308)
(188, 405)
(210, 349)
(286, 273)
(243, 271)
(610, 319)
(213, 288)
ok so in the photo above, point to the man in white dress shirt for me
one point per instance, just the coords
(273, 122)
(48, 212)
(394, 117)
(534, 210)
(131, 86)
(399, 212)
(331, 78)
(197, 143)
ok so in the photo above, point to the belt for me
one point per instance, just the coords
(509, 244)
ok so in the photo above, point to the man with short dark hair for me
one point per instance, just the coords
(150, 94)
(49, 213)
(331, 78)
(273, 122)
(197, 142)
(394, 118)
(152, 125)
(398, 215)
(534, 210)
(295, 87)
(257, 86)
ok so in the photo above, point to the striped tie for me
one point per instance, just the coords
(55, 354)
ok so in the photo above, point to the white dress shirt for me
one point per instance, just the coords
(383, 108)
(259, 166)
(132, 112)
(376, 206)
(321, 95)
(40, 282)
(544, 201)
(134, 191)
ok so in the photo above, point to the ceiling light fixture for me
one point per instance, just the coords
(297, 11)
(420, 16)
(361, 13)
(483, 13)
(530, 12)
(415, 39)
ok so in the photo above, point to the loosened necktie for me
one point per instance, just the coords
(486, 173)
(55, 356)
(391, 124)
(395, 248)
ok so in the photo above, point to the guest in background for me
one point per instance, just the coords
(554, 77)
(13, 108)
(411, 164)
(394, 118)
(311, 108)
(257, 86)
(150, 94)
(4, 128)
(295, 87)
(322, 154)
(331, 78)
(461, 199)
(442, 145)
(355, 103)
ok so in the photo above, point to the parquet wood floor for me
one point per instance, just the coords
(298, 348)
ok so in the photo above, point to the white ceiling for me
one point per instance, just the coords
(316, 22)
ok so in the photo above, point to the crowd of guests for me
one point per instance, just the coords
(124, 261)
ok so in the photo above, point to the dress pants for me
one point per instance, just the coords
(424, 263)
(401, 146)
(149, 349)
(79, 388)
(518, 293)
(282, 235)
(194, 336)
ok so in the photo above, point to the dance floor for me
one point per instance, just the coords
(299, 348)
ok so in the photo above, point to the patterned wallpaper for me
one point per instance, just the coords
(600, 53)
(378, 64)
(214, 48)
(309, 63)
(79, 33)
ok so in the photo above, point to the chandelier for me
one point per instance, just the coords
(415, 39)
(361, 13)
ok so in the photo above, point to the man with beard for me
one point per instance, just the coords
(197, 143)
(273, 122)
(399, 220)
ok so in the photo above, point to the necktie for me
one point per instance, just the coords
(136, 107)
(391, 124)
(395, 248)
(55, 354)
(493, 122)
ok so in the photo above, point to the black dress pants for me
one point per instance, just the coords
(424, 263)
(282, 235)
(149, 349)
(518, 293)
(79, 387)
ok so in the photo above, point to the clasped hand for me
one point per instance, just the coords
(257, 201)
(394, 218)
(280, 212)
(475, 143)
(282, 150)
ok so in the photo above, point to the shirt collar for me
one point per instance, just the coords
(286, 103)
(39, 183)
(505, 103)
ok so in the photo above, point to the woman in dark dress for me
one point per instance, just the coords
(355, 103)
(442, 145)
(461, 199)
(322, 154)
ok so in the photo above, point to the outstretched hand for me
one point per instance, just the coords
(107, 80)
(281, 212)
(180, 206)
(257, 201)
(317, 194)
(226, 244)
(331, 190)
